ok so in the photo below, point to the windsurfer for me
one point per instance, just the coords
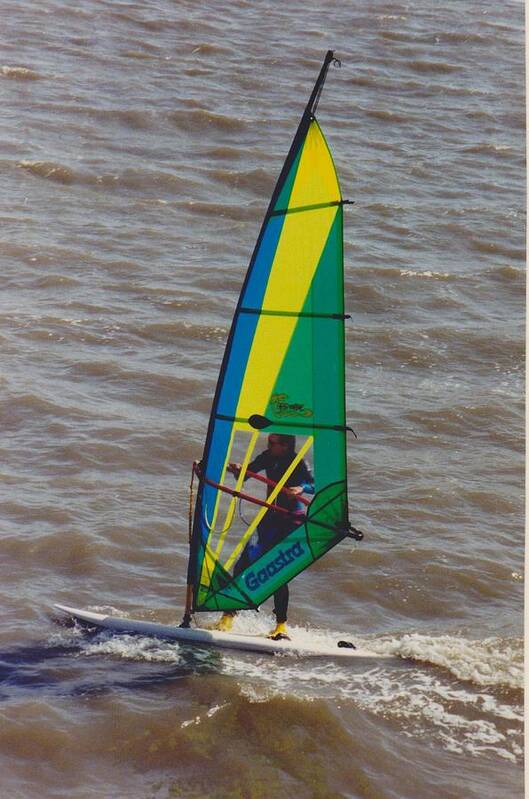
(275, 526)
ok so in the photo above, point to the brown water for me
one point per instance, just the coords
(139, 147)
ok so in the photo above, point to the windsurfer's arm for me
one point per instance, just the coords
(293, 491)
(297, 491)
(257, 465)
(306, 481)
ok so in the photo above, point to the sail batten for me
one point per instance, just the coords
(270, 312)
(283, 372)
(304, 208)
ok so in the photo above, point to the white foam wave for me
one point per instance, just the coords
(423, 705)
(461, 718)
(492, 661)
(428, 273)
(131, 647)
(209, 713)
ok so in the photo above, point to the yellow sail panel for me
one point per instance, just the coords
(297, 257)
(316, 181)
(296, 260)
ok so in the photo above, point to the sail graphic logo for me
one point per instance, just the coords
(254, 579)
(282, 408)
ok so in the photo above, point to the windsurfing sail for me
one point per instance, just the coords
(282, 373)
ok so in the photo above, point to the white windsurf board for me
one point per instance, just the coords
(199, 637)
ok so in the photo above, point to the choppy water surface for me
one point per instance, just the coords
(139, 148)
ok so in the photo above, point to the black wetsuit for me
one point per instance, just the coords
(275, 526)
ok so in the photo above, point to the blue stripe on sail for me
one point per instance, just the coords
(258, 279)
(243, 335)
(217, 455)
(245, 327)
(242, 340)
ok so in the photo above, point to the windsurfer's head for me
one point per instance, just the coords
(281, 445)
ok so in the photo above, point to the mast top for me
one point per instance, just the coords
(314, 98)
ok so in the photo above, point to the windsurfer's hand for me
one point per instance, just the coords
(234, 468)
(293, 491)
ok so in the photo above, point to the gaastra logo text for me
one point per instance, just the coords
(254, 579)
(281, 407)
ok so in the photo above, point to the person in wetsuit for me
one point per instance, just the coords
(274, 526)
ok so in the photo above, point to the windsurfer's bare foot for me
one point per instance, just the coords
(280, 632)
